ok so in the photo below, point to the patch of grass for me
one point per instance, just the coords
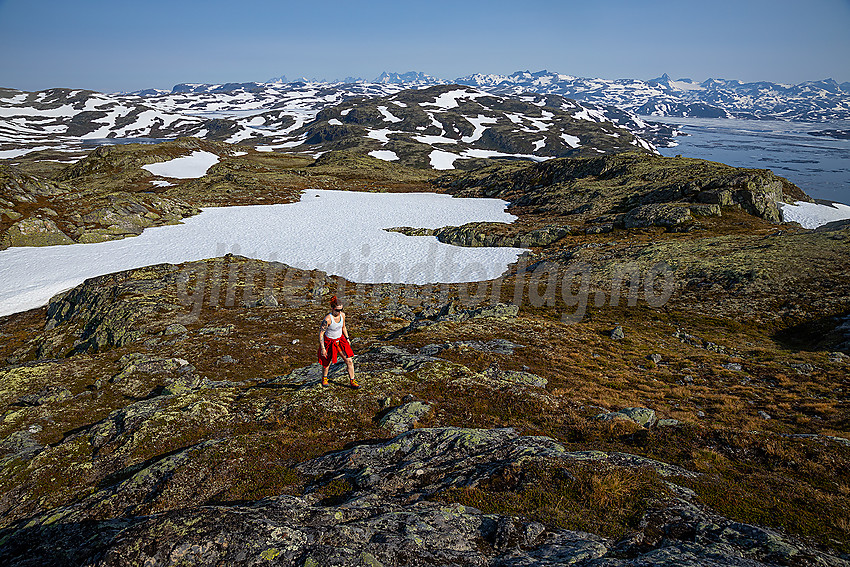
(605, 500)
(336, 491)
(774, 500)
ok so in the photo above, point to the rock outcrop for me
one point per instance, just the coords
(633, 189)
(386, 515)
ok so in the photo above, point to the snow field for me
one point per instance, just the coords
(354, 246)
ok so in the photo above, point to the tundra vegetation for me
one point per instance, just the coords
(661, 380)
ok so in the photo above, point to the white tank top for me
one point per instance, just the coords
(334, 330)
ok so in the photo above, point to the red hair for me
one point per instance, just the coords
(335, 302)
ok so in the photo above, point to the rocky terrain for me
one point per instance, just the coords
(661, 380)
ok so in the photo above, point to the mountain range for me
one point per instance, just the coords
(460, 121)
(713, 98)
(283, 114)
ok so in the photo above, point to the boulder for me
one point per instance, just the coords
(51, 394)
(644, 417)
(488, 234)
(404, 417)
(657, 214)
(34, 231)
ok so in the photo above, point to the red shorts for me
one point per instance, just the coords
(332, 346)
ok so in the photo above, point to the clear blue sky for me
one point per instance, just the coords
(122, 45)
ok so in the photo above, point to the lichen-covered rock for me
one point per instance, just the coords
(383, 519)
(642, 416)
(453, 311)
(496, 346)
(498, 377)
(175, 329)
(404, 417)
(19, 445)
(49, 395)
(34, 231)
(591, 188)
(657, 214)
(493, 234)
(103, 312)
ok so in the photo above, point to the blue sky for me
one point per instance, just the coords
(120, 45)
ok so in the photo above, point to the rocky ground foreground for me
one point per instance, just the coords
(692, 415)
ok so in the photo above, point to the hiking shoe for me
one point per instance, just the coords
(354, 384)
(324, 380)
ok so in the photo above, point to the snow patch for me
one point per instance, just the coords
(476, 153)
(450, 99)
(189, 167)
(479, 124)
(388, 116)
(434, 140)
(442, 160)
(813, 215)
(380, 135)
(571, 141)
(385, 155)
(9, 154)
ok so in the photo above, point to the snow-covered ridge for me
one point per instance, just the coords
(271, 116)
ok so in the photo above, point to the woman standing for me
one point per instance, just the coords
(333, 339)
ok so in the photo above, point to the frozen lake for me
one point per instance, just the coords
(820, 166)
(340, 232)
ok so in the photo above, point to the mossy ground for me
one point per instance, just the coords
(746, 292)
(265, 426)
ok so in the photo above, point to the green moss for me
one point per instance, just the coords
(270, 553)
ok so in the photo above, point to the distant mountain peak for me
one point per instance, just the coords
(409, 77)
(662, 80)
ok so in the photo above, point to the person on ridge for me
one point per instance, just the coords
(333, 339)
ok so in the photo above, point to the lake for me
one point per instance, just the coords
(820, 166)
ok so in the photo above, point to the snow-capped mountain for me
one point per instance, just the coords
(410, 78)
(273, 115)
(445, 126)
(713, 98)
(266, 115)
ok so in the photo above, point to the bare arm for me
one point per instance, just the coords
(322, 328)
